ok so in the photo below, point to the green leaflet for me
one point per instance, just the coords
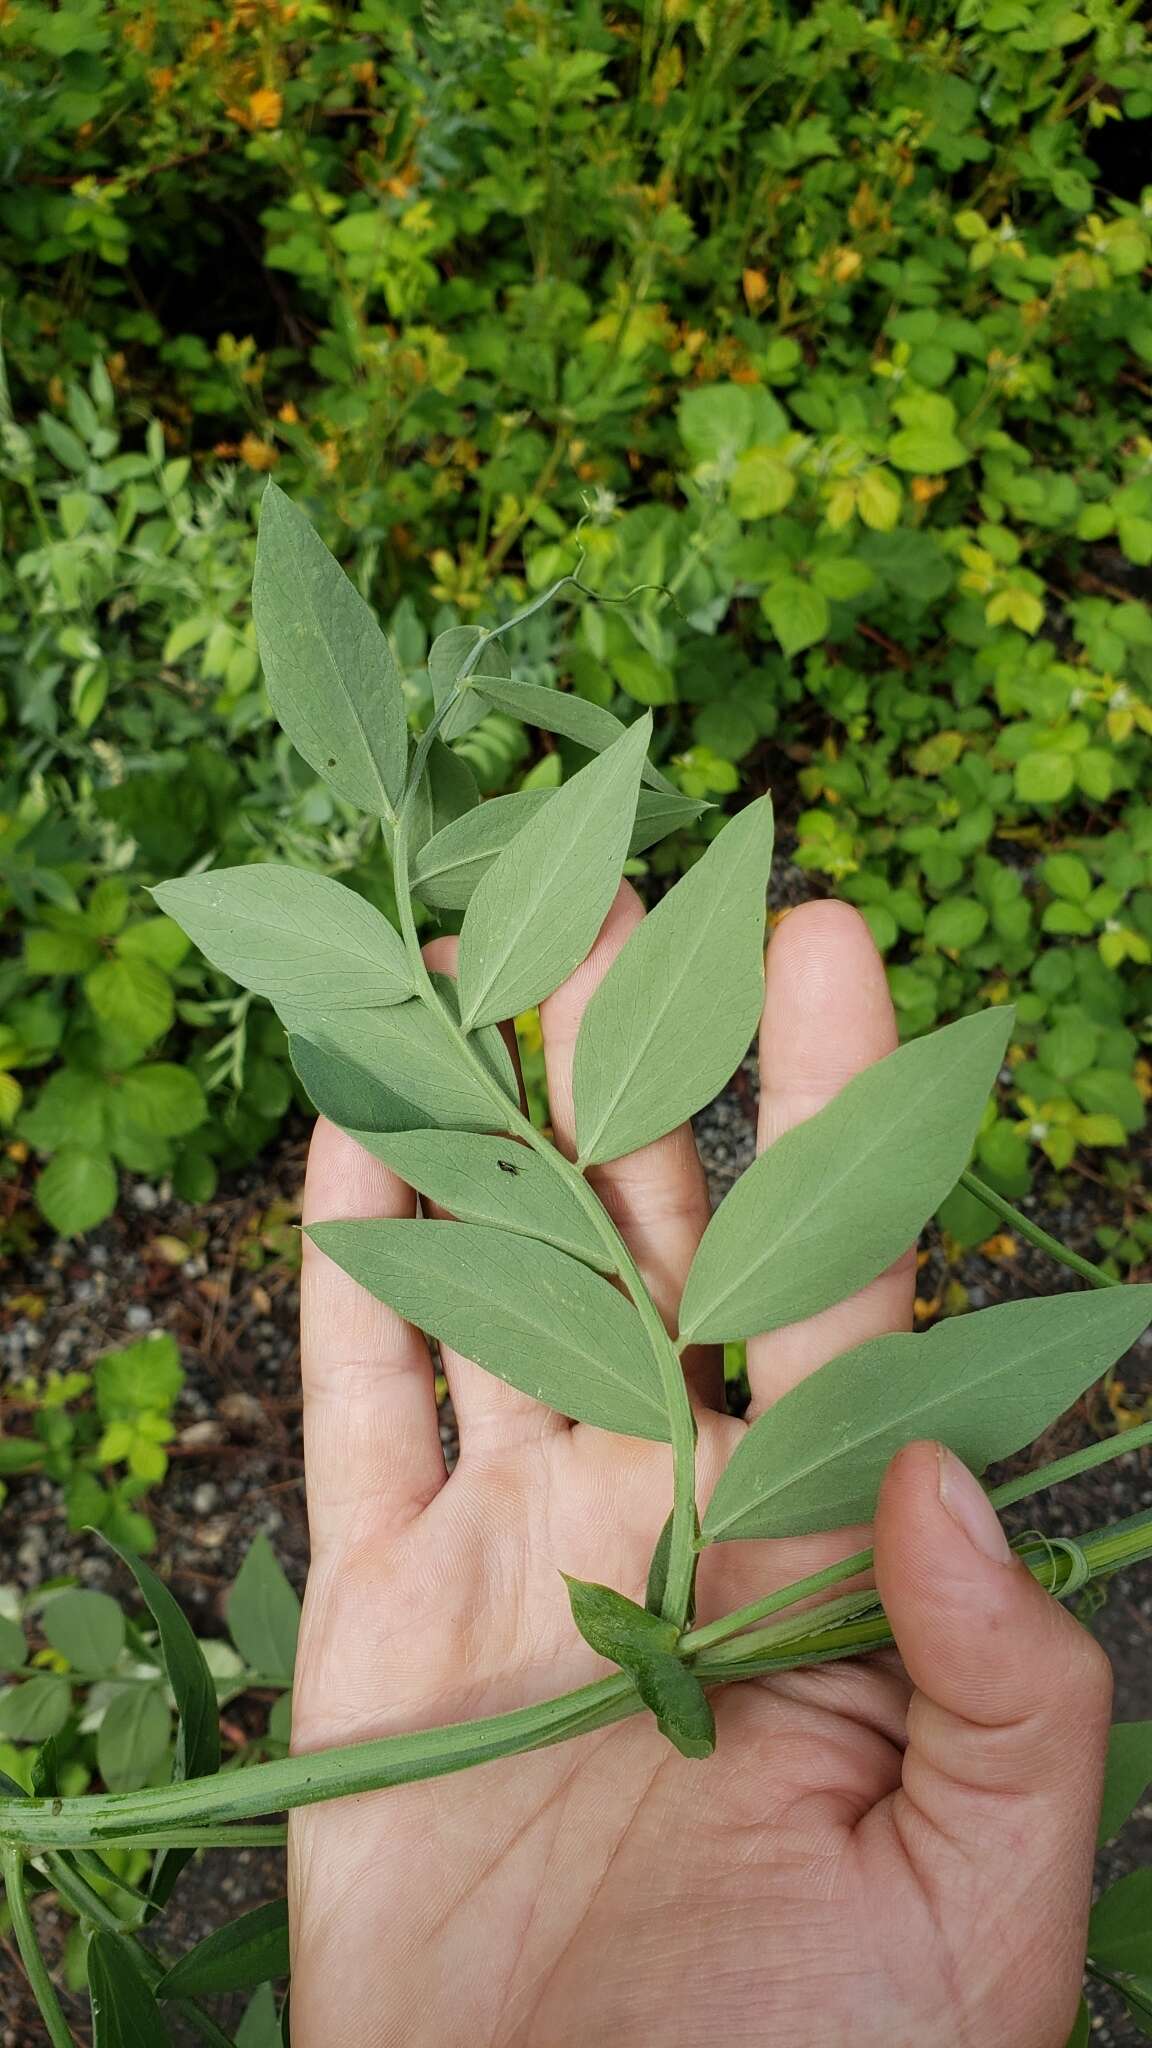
(132, 1739)
(349, 1095)
(673, 1016)
(523, 1311)
(87, 1628)
(416, 1056)
(1127, 1777)
(1120, 1929)
(448, 868)
(247, 1951)
(983, 1384)
(558, 711)
(264, 1613)
(328, 667)
(489, 1180)
(445, 657)
(290, 935)
(124, 2012)
(536, 912)
(645, 1647)
(835, 1200)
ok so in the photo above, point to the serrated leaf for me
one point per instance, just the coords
(449, 867)
(124, 2011)
(132, 995)
(523, 1311)
(489, 1180)
(834, 1201)
(264, 1614)
(1127, 1776)
(133, 1737)
(292, 936)
(328, 667)
(165, 1100)
(446, 656)
(250, 1950)
(983, 1384)
(87, 1628)
(77, 1190)
(417, 1057)
(1120, 1929)
(673, 1016)
(537, 911)
(590, 725)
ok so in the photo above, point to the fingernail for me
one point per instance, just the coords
(963, 1497)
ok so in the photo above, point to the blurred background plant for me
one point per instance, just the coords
(831, 319)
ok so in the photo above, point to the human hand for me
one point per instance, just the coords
(877, 1853)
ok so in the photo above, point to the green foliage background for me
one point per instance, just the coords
(832, 319)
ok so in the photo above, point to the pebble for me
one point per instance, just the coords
(205, 1498)
(145, 1196)
(138, 1317)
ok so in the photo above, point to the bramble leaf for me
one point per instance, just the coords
(837, 1199)
(328, 666)
(673, 1016)
(538, 909)
(983, 1384)
(523, 1311)
(293, 936)
(490, 1180)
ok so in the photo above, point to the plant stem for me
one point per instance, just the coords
(83, 1898)
(681, 1422)
(43, 1989)
(1095, 1275)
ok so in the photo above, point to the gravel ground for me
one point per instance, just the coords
(237, 1468)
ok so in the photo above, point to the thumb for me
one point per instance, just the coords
(1008, 1726)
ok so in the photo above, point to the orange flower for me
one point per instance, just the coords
(258, 454)
(925, 488)
(755, 287)
(288, 414)
(265, 107)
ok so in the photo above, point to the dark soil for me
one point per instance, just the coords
(223, 1280)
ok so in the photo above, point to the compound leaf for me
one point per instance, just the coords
(329, 669)
(534, 915)
(449, 866)
(835, 1200)
(984, 1384)
(490, 1180)
(417, 1056)
(524, 1311)
(291, 935)
(672, 1017)
(348, 1094)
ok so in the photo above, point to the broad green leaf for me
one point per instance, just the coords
(264, 1614)
(417, 1057)
(124, 2011)
(445, 658)
(449, 866)
(489, 1180)
(133, 1737)
(250, 1950)
(164, 1100)
(1128, 1775)
(559, 711)
(984, 1384)
(77, 1190)
(328, 667)
(1120, 1929)
(835, 1200)
(293, 936)
(616, 1627)
(13, 1648)
(198, 1735)
(33, 1711)
(537, 911)
(797, 613)
(677, 1699)
(523, 1311)
(87, 1628)
(132, 995)
(673, 1016)
(349, 1095)
(260, 2026)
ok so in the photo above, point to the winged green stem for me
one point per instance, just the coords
(681, 1423)
(1024, 1227)
(36, 1969)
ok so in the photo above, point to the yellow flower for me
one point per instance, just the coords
(265, 108)
(258, 454)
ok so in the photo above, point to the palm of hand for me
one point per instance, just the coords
(799, 1888)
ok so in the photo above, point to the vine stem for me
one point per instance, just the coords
(43, 1989)
(1095, 1275)
(681, 1422)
